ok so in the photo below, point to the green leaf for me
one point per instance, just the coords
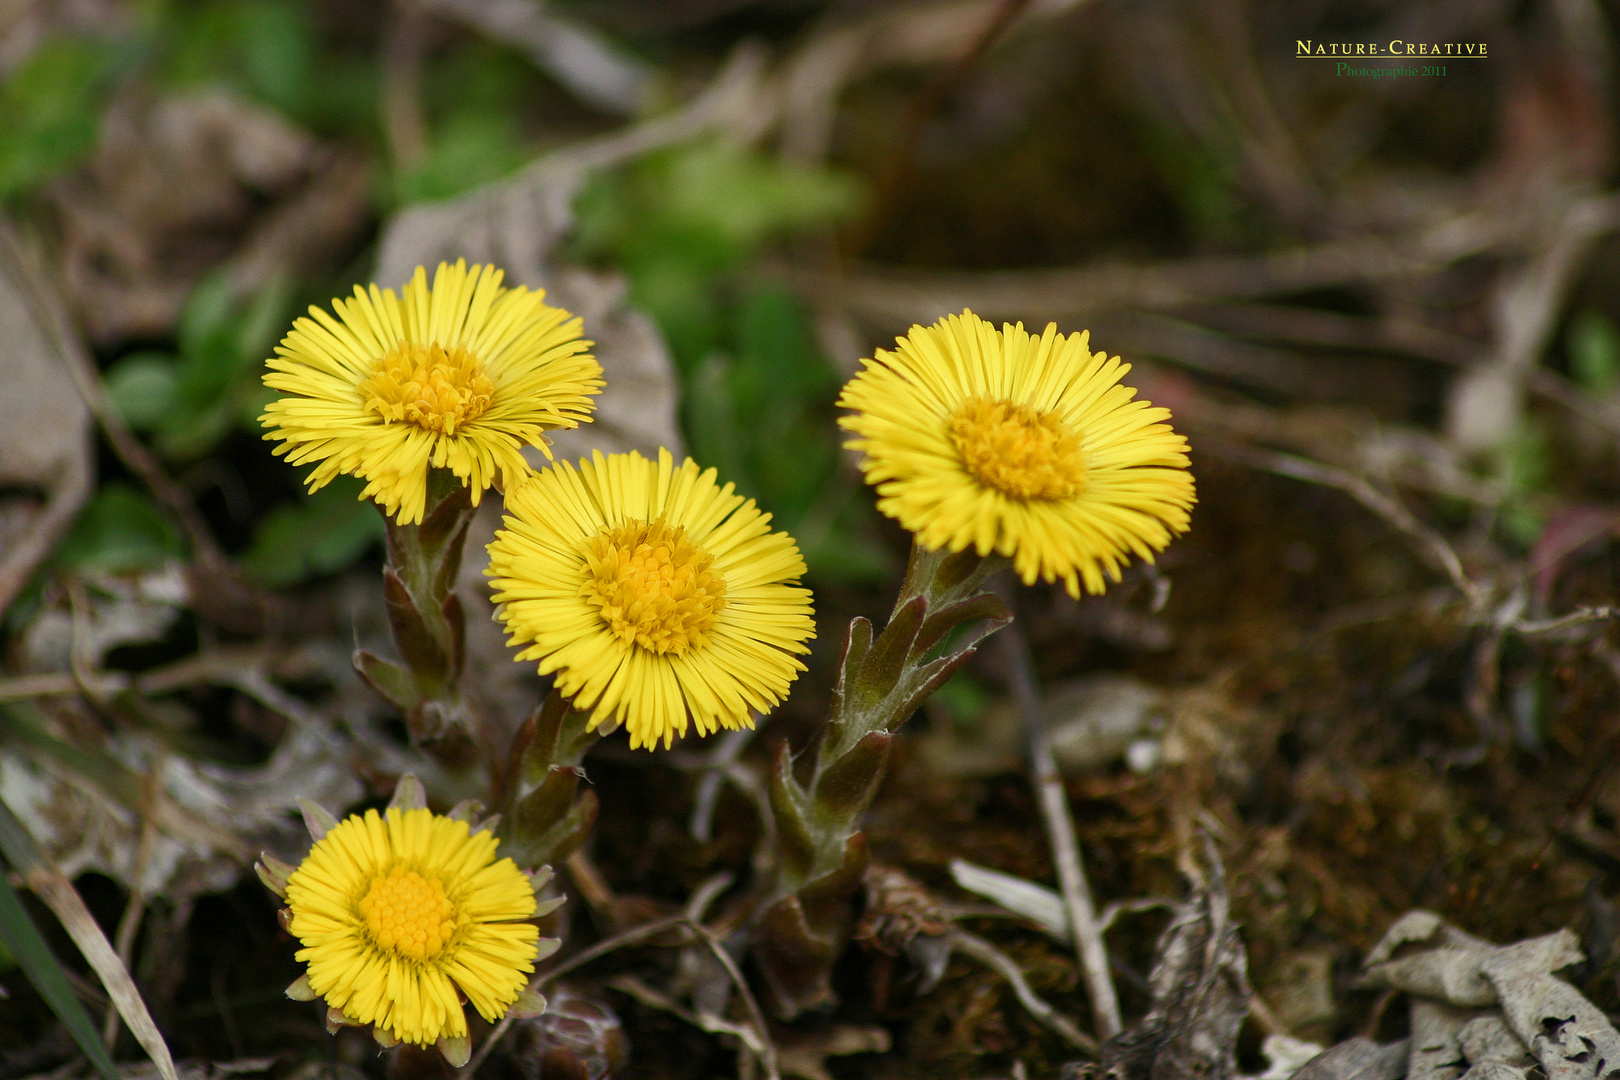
(264, 49)
(251, 403)
(49, 111)
(192, 431)
(277, 43)
(207, 320)
(680, 220)
(1594, 352)
(746, 195)
(326, 532)
(1524, 459)
(262, 321)
(144, 389)
(469, 149)
(24, 941)
(222, 345)
(119, 531)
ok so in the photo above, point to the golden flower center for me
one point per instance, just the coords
(653, 586)
(1018, 451)
(409, 914)
(435, 388)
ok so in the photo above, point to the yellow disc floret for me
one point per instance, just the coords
(1017, 450)
(409, 914)
(434, 388)
(652, 586)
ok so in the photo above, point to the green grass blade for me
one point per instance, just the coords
(34, 956)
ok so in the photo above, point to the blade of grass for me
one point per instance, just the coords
(52, 886)
(34, 956)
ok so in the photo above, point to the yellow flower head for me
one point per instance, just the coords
(460, 376)
(1025, 446)
(398, 912)
(656, 595)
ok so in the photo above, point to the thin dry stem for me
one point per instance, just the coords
(1003, 965)
(727, 749)
(755, 1015)
(602, 948)
(221, 667)
(130, 921)
(633, 936)
(404, 49)
(1054, 804)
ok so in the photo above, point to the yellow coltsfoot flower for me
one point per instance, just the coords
(461, 376)
(1025, 446)
(405, 915)
(657, 597)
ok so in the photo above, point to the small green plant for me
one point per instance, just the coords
(1593, 344)
(119, 531)
(50, 110)
(682, 222)
(320, 534)
(685, 226)
(187, 401)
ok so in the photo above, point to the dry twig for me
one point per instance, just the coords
(1054, 803)
(634, 936)
(1002, 964)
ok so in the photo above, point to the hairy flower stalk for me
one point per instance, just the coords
(543, 815)
(821, 851)
(428, 624)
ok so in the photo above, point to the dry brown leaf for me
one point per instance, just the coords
(208, 819)
(185, 184)
(1200, 988)
(1570, 1036)
(575, 54)
(1436, 1050)
(1487, 1038)
(44, 423)
(1357, 1059)
(1453, 968)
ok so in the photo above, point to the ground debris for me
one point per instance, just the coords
(196, 1070)
(1488, 1039)
(1455, 968)
(1569, 1035)
(182, 184)
(1200, 989)
(1357, 1059)
(577, 1035)
(1479, 1011)
(45, 452)
(903, 917)
(806, 1055)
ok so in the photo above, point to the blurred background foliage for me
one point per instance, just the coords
(687, 226)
